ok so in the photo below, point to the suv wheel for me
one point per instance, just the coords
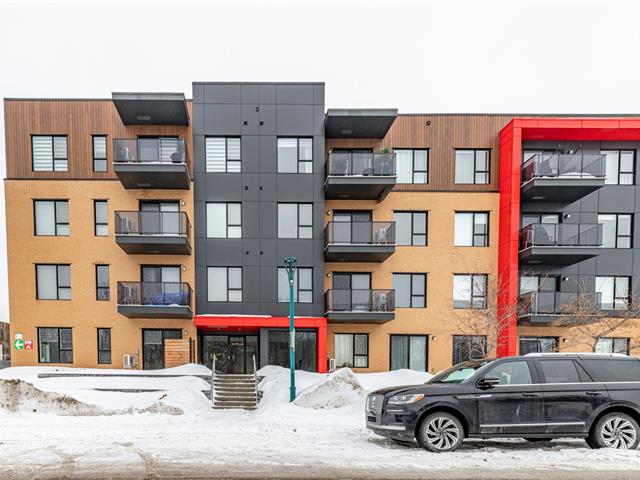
(615, 430)
(440, 432)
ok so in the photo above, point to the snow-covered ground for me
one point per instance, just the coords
(175, 433)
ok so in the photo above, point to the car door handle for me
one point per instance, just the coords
(529, 394)
(593, 394)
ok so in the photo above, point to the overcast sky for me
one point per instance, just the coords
(441, 56)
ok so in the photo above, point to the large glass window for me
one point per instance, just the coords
(352, 350)
(616, 230)
(472, 166)
(224, 284)
(511, 373)
(411, 228)
(104, 345)
(295, 220)
(102, 283)
(302, 285)
(614, 370)
(469, 291)
(471, 229)
(295, 155)
(101, 215)
(468, 347)
(411, 290)
(224, 220)
(99, 143)
(53, 282)
(619, 166)
(538, 345)
(559, 371)
(222, 155)
(409, 351)
(49, 153)
(55, 345)
(306, 349)
(614, 293)
(412, 166)
(613, 345)
(51, 217)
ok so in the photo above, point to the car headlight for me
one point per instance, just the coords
(405, 399)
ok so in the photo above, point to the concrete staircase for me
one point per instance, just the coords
(235, 391)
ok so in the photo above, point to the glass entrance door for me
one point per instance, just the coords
(234, 353)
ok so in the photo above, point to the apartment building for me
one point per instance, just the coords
(155, 227)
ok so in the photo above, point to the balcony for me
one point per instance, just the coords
(359, 241)
(543, 308)
(561, 178)
(154, 300)
(359, 175)
(559, 243)
(160, 163)
(360, 306)
(151, 108)
(153, 233)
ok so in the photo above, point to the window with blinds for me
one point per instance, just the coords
(222, 154)
(49, 153)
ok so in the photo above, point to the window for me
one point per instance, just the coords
(614, 293)
(102, 283)
(55, 345)
(559, 371)
(471, 229)
(295, 220)
(104, 345)
(99, 154)
(468, 347)
(224, 284)
(538, 345)
(306, 349)
(352, 350)
(469, 291)
(53, 282)
(295, 155)
(410, 289)
(302, 285)
(49, 153)
(613, 345)
(512, 373)
(100, 216)
(535, 284)
(224, 220)
(51, 217)
(222, 154)
(412, 166)
(527, 219)
(411, 228)
(619, 166)
(614, 370)
(616, 230)
(409, 351)
(472, 166)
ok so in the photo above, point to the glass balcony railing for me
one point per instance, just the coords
(586, 166)
(152, 223)
(360, 233)
(561, 235)
(154, 293)
(361, 164)
(360, 300)
(150, 150)
(558, 303)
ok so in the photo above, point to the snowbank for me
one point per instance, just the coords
(336, 390)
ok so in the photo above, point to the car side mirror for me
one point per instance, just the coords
(488, 382)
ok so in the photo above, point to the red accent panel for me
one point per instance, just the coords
(238, 324)
(511, 136)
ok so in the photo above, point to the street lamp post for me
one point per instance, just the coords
(290, 263)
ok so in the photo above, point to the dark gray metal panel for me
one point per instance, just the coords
(224, 252)
(295, 187)
(151, 311)
(197, 111)
(251, 284)
(318, 94)
(250, 119)
(296, 94)
(222, 120)
(295, 120)
(223, 187)
(222, 93)
(267, 117)
(268, 220)
(173, 176)
(250, 220)
(249, 93)
(268, 285)
(154, 245)
(198, 146)
(151, 108)
(360, 317)
(250, 252)
(250, 153)
(267, 93)
(198, 93)
(269, 255)
(359, 123)
(250, 187)
(619, 199)
(268, 154)
(268, 187)
(615, 261)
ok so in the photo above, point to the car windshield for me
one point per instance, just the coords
(458, 373)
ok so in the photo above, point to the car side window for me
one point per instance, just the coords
(559, 371)
(511, 373)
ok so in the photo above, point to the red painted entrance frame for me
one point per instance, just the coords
(243, 323)
(511, 137)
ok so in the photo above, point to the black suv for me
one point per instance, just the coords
(537, 397)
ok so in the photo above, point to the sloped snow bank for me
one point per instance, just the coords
(336, 390)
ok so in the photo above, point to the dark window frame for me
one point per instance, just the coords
(414, 170)
(58, 286)
(537, 339)
(298, 224)
(53, 153)
(93, 152)
(620, 171)
(298, 160)
(226, 154)
(476, 170)
(469, 339)
(228, 225)
(55, 216)
(97, 224)
(353, 343)
(411, 292)
(627, 298)
(613, 341)
(297, 285)
(241, 289)
(473, 297)
(60, 349)
(484, 235)
(620, 236)
(104, 350)
(413, 214)
(409, 336)
(102, 288)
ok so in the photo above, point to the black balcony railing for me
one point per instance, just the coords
(152, 223)
(360, 300)
(154, 293)
(360, 233)
(150, 150)
(558, 303)
(563, 166)
(561, 235)
(361, 164)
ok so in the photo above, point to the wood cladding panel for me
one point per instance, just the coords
(442, 135)
(79, 120)
(176, 352)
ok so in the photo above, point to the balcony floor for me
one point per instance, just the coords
(167, 176)
(154, 244)
(563, 190)
(372, 187)
(336, 252)
(360, 317)
(557, 255)
(155, 311)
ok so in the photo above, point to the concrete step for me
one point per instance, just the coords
(234, 385)
(226, 391)
(219, 407)
(237, 404)
(236, 376)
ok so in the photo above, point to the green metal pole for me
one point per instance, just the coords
(290, 263)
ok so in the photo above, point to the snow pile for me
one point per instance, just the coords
(394, 378)
(338, 389)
